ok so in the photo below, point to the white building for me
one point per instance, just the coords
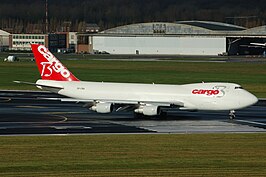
(4, 40)
(23, 41)
(72, 40)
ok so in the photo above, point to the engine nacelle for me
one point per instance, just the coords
(102, 107)
(148, 110)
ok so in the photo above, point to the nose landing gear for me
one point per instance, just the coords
(232, 114)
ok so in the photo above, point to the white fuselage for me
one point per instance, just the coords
(201, 96)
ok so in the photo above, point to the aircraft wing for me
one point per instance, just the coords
(259, 44)
(123, 101)
(177, 103)
(253, 46)
(121, 105)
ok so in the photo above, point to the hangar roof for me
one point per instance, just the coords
(184, 28)
(157, 28)
(4, 32)
(260, 30)
(177, 28)
(215, 26)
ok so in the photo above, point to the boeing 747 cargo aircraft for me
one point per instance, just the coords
(143, 99)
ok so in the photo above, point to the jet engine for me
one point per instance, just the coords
(148, 110)
(102, 107)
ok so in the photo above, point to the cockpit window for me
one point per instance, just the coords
(238, 87)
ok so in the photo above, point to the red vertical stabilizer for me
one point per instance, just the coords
(49, 66)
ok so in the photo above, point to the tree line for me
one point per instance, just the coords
(28, 16)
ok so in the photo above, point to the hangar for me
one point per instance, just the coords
(178, 38)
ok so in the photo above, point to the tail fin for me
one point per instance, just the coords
(49, 66)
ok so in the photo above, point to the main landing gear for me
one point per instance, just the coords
(232, 114)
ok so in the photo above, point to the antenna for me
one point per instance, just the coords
(46, 16)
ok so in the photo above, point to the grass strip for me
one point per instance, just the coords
(252, 76)
(134, 155)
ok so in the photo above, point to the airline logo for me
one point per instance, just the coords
(212, 92)
(217, 91)
(53, 65)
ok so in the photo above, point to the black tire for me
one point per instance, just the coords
(162, 115)
(138, 116)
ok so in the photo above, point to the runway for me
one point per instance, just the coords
(27, 113)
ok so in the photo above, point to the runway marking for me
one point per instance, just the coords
(65, 113)
(251, 122)
(141, 127)
(149, 129)
(5, 99)
(30, 107)
(70, 127)
(64, 118)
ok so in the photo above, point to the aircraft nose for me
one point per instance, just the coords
(250, 99)
(254, 99)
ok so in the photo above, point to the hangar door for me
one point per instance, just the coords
(245, 46)
(160, 45)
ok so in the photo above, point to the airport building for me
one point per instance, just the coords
(23, 41)
(72, 41)
(4, 40)
(56, 42)
(179, 38)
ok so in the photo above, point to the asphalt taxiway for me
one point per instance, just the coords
(29, 113)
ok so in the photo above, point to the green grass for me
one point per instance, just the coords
(252, 76)
(134, 155)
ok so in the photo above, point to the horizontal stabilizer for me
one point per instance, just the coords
(40, 85)
(21, 82)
